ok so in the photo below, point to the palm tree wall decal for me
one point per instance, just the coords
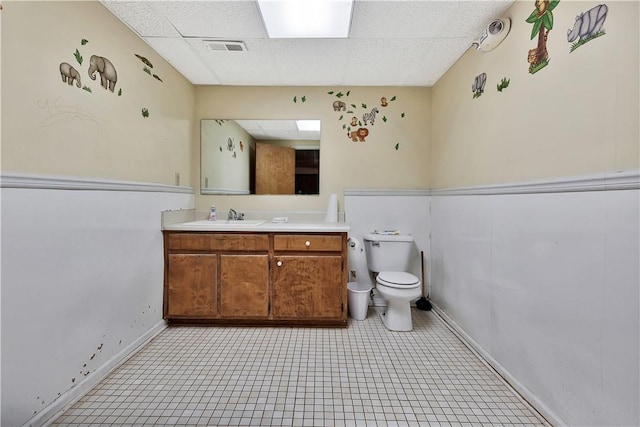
(542, 20)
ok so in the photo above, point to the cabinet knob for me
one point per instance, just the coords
(307, 243)
(279, 263)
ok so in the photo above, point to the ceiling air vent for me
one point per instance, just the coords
(225, 46)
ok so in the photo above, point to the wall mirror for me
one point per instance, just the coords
(260, 156)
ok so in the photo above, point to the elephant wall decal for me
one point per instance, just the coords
(339, 106)
(108, 74)
(69, 74)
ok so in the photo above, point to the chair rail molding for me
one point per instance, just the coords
(49, 182)
(623, 180)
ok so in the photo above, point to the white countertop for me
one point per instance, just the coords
(260, 226)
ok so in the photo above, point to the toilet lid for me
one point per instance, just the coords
(397, 279)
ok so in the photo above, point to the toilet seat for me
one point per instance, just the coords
(398, 280)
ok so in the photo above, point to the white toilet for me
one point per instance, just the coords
(388, 258)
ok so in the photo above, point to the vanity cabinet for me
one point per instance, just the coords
(258, 278)
(307, 277)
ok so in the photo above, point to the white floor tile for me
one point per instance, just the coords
(363, 375)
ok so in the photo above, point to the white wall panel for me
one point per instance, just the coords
(620, 299)
(82, 277)
(547, 288)
(461, 262)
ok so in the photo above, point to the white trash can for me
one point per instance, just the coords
(358, 299)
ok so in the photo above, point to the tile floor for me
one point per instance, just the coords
(363, 375)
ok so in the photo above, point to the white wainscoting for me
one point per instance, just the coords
(545, 286)
(82, 275)
(404, 210)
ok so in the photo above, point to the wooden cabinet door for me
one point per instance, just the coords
(244, 285)
(275, 169)
(307, 287)
(191, 286)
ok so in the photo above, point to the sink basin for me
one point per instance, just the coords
(225, 223)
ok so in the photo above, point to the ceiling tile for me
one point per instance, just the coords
(375, 62)
(443, 54)
(256, 64)
(471, 17)
(142, 17)
(215, 19)
(400, 19)
(302, 62)
(180, 55)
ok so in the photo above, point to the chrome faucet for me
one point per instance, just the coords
(235, 216)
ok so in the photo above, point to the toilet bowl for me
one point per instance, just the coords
(388, 259)
(398, 289)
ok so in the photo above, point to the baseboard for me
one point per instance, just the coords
(55, 409)
(543, 410)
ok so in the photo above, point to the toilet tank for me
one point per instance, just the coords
(388, 252)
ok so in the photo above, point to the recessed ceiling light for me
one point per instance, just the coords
(312, 125)
(306, 18)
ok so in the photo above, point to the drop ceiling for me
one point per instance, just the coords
(391, 42)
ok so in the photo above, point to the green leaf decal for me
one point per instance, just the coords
(503, 84)
(536, 28)
(547, 21)
(303, 99)
(120, 92)
(330, 92)
(534, 15)
(348, 92)
(353, 106)
(397, 146)
(341, 117)
(364, 106)
(402, 115)
(295, 99)
(552, 5)
(339, 94)
(84, 41)
(393, 98)
(88, 89)
(78, 56)
(384, 119)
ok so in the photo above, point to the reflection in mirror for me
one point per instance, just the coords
(260, 156)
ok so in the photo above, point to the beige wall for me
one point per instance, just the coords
(374, 164)
(579, 115)
(51, 128)
(223, 169)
